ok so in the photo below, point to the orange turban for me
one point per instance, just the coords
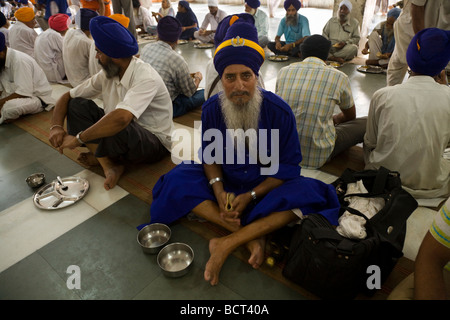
(123, 20)
(24, 14)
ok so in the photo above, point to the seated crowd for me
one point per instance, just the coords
(249, 180)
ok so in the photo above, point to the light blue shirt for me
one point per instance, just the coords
(294, 33)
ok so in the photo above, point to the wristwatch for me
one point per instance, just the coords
(214, 180)
(78, 137)
(253, 194)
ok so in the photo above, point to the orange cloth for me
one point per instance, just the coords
(24, 14)
(93, 5)
(123, 20)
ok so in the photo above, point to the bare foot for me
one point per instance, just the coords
(216, 260)
(256, 248)
(112, 175)
(88, 159)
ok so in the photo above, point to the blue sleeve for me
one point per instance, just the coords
(305, 26)
(281, 27)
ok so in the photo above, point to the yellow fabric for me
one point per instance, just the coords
(239, 42)
(123, 20)
(24, 14)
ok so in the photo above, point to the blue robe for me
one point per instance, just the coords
(184, 187)
(187, 19)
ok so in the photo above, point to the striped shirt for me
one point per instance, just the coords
(314, 90)
(172, 68)
(440, 228)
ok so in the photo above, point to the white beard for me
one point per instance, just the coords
(243, 119)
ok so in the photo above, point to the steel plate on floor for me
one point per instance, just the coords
(278, 58)
(370, 69)
(204, 45)
(54, 196)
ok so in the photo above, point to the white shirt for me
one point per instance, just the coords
(22, 37)
(407, 131)
(213, 21)
(22, 75)
(76, 53)
(141, 91)
(48, 50)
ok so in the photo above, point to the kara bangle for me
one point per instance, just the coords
(214, 180)
(78, 137)
(55, 126)
(253, 194)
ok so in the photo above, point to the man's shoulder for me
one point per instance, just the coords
(274, 103)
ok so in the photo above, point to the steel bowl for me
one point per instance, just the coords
(36, 180)
(153, 237)
(175, 259)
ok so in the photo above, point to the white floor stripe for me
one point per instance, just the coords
(24, 228)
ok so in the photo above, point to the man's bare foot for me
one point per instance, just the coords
(256, 248)
(88, 159)
(112, 175)
(216, 260)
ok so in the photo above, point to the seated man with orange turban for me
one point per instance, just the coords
(23, 35)
(49, 46)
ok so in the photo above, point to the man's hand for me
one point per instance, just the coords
(70, 142)
(56, 137)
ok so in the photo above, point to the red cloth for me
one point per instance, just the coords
(59, 22)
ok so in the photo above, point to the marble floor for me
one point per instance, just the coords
(97, 235)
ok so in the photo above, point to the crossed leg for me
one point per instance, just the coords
(252, 235)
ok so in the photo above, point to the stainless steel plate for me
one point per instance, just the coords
(204, 45)
(370, 69)
(278, 58)
(53, 196)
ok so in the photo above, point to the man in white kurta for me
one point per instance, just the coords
(22, 35)
(261, 21)
(77, 49)
(408, 124)
(49, 48)
(23, 86)
(135, 124)
(212, 19)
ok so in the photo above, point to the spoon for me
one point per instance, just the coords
(63, 187)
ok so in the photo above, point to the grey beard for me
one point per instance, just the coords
(291, 20)
(111, 69)
(245, 116)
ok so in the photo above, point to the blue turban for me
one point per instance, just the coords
(226, 22)
(2, 41)
(253, 3)
(83, 18)
(429, 51)
(112, 38)
(394, 12)
(296, 3)
(169, 29)
(240, 46)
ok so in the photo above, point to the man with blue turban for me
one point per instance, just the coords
(261, 21)
(344, 33)
(408, 124)
(135, 124)
(381, 42)
(249, 180)
(294, 27)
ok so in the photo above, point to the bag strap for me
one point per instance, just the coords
(380, 181)
(213, 86)
(344, 245)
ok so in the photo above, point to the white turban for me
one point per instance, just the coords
(347, 3)
(213, 3)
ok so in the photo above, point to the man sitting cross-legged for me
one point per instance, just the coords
(136, 122)
(263, 172)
